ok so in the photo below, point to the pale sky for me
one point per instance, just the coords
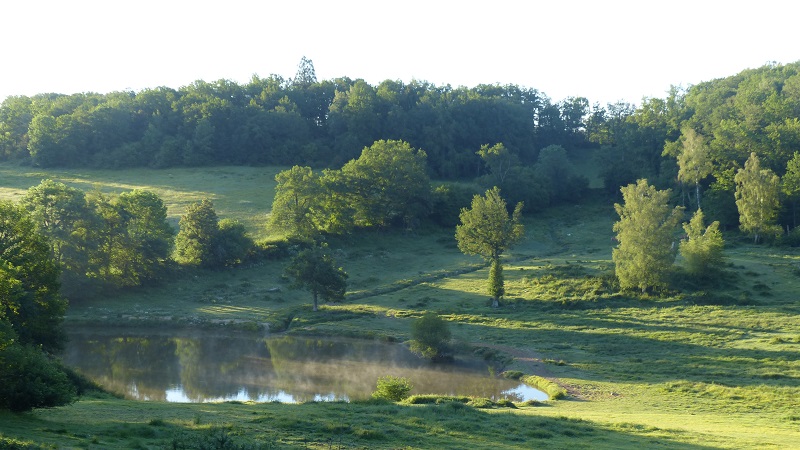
(602, 50)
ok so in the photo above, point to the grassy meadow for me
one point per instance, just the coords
(700, 367)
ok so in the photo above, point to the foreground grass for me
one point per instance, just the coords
(110, 423)
(708, 366)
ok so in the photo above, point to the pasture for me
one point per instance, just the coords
(696, 367)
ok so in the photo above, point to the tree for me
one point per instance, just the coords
(757, 199)
(702, 250)
(694, 161)
(233, 244)
(487, 230)
(297, 210)
(31, 313)
(499, 160)
(645, 235)
(148, 236)
(430, 336)
(62, 214)
(388, 183)
(194, 244)
(29, 287)
(790, 184)
(315, 270)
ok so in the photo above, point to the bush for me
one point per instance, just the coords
(430, 336)
(29, 379)
(392, 388)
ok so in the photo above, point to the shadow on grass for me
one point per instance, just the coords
(340, 425)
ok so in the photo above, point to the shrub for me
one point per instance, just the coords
(29, 379)
(481, 402)
(430, 336)
(392, 388)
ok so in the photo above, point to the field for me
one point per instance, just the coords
(695, 368)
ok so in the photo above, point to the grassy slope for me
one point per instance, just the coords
(719, 371)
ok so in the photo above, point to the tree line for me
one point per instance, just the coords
(278, 121)
(693, 140)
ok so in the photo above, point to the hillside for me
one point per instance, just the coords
(702, 367)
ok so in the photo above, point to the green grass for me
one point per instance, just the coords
(243, 193)
(713, 369)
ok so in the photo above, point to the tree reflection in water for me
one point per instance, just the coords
(201, 366)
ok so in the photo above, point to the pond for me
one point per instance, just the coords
(201, 366)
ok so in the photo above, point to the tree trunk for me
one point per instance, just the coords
(315, 301)
(697, 193)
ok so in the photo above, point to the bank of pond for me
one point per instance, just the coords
(191, 365)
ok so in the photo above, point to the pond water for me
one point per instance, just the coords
(194, 366)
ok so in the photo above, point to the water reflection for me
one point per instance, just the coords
(193, 366)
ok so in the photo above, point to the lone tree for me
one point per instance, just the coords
(487, 230)
(757, 198)
(645, 235)
(314, 270)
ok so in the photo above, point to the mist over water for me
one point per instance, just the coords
(201, 366)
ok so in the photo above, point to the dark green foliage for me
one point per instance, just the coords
(233, 244)
(430, 336)
(194, 244)
(205, 241)
(29, 379)
(315, 270)
(29, 296)
(496, 281)
(100, 239)
(388, 184)
(447, 200)
(392, 388)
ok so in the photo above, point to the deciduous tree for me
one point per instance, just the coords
(487, 230)
(29, 287)
(702, 250)
(315, 270)
(194, 244)
(757, 198)
(645, 235)
(694, 160)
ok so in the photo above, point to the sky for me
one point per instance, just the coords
(606, 51)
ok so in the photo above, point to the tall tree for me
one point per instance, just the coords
(194, 244)
(645, 235)
(148, 236)
(297, 210)
(487, 230)
(757, 198)
(694, 160)
(63, 215)
(315, 270)
(29, 287)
